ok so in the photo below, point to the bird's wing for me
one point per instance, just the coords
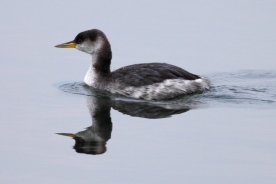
(150, 73)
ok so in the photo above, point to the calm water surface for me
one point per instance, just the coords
(76, 134)
(56, 130)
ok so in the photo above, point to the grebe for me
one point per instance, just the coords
(149, 81)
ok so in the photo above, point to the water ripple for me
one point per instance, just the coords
(247, 88)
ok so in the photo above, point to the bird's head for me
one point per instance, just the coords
(91, 42)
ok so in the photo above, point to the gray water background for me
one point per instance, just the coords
(227, 137)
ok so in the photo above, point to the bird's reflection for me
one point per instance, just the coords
(93, 140)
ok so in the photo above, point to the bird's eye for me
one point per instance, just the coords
(79, 41)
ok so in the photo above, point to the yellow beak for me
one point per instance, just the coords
(67, 134)
(71, 44)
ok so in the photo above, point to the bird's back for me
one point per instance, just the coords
(149, 73)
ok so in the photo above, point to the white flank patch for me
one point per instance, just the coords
(167, 89)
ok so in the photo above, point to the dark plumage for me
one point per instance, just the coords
(146, 74)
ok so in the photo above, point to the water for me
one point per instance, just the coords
(247, 88)
(55, 130)
(228, 128)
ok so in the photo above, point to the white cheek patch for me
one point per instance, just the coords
(169, 88)
(98, 44)
(86, 47)
(90, 47)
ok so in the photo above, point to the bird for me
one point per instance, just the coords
(145, 81)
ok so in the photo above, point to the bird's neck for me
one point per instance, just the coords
(101, 60)
(101, 57)
(99, 69)
(101, 63)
